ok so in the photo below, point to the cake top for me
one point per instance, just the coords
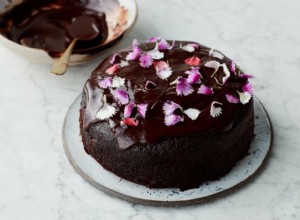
(162, 89)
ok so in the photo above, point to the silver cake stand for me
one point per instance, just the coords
(113, 185)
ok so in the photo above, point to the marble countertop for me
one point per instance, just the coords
(36, 180)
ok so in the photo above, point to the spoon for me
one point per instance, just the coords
(83, 28)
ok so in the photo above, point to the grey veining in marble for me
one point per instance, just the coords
(263, 36)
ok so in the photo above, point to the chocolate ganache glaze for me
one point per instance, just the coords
(45, 24)
(163, 89)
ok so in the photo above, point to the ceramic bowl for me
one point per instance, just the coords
(116, 33)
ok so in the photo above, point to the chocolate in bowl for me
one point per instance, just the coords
(38, 30)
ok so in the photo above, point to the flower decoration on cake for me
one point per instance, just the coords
(201, 73)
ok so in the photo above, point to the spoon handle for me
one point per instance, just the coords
(60, 67)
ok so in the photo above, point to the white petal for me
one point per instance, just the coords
(156, 54)
(215, 111)
(244, 97)
(213, 64)
(226, 71)
(188, 48)
(192, 113)
(218, 55)
(118, 82)
(165, 74)
(106, 112)
(123, 63)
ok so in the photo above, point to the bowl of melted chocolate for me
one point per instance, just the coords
(42, 30)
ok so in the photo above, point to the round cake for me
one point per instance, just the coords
(167, 114)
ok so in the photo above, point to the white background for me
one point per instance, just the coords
(36, 180)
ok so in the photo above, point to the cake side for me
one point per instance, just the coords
(167, 114)
(179, 162)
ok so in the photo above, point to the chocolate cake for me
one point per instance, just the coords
(167, 114)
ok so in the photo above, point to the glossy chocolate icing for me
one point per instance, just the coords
(46, 24)
(152, 128)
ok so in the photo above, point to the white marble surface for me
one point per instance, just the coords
(263, 36)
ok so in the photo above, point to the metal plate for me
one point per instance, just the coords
(108, 182)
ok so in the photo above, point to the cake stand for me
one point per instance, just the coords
(113, 185)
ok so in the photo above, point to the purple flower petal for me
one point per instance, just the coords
(153, 39)
(145, 61)
(169, 107)
(246, 76)
(150, 85)
(248, 88)
(194, 78)
(183, 87)
(105, 83)
(128, 109)
(194, 70)
(163, 69)
(135, 54)
(232, 99)
(163, 45)
(171, 120)
(121, 96)
(204, 90)
(142, 109)
(115, 59)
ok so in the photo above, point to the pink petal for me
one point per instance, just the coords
(150, 85)
(121, 96)
(128, 109)
(163, 45)
(193, 78)
(163, 69)
(246, 76)
(145, 61)
(233, 67)
(248, 88)
(135, 43)
(135, 54)
(169, 107)
(204, 90)
(130, 122)
(142, 109)
(105, 83)
(232, 99)
(114, 68)
(171, 120)
(193, 61)
(153, 39)
(183, 87)
(115, 59)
